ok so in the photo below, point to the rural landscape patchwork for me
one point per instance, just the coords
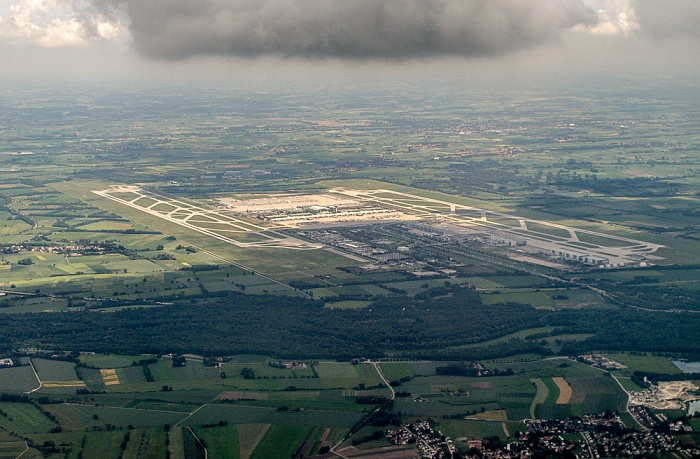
(358, 279)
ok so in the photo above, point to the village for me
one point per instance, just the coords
(602, 435)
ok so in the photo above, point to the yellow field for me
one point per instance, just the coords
(63, 384)
(565, 391)
(110, 377)
(493, 415)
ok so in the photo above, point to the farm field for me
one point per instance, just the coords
(18, 379)
(250, 422)
(24, 418)
(653, 364)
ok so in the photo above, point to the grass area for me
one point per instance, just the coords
(18, 379)
(336, 370)
(281, 441)
(131, 375)
(396, 371)
(221, 442)
(146, 443)
(602, 241)
(241, 414)
(23, 418)
(627, 383)
(541, 396)
(109, 361)
(176, 443)
(261, 371)
(93, 378)
(99, 444)
(547, 229)
(122, 417)
(596, 394)
(15, 449)
(648, 363)
(56, 373)
(475, 429)
(249, 436)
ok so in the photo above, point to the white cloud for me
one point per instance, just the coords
(52, 24)
(615, 17)
(62, 33)
(107, 30)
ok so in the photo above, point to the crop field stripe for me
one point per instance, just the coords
(281, 441)
(565, 391)
(249, 436)
(176, 446)
(110, 377)
(540, 397)
(553, 395)
(221, 442)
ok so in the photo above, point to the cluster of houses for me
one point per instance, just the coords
(73, 250)
(603, 435)
(431, 443)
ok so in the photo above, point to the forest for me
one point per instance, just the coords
(445, 328)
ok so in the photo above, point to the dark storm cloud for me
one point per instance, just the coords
(350, 29)
(669, 19)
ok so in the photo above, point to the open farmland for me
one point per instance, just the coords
(253, 414)
(54, 370)
(24, 418)
(466, 407)
(221, 442)
(122, 417)
(18, 379)
(56, 375)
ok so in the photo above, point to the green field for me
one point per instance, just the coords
(23, 418)
(59, 376)
(652, 364)
(222, 442)
(473, 429)
(18, 379)
(281, 441)
(121, 417)
(147, 443)
(108, 361)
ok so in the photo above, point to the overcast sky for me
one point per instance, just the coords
(177, 40)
